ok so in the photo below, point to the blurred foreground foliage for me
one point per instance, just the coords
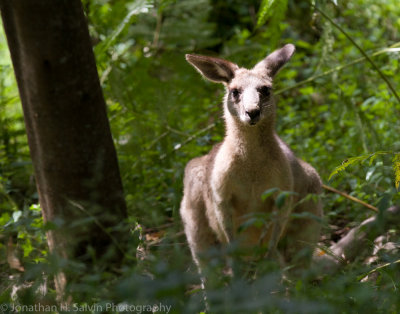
(333, 106)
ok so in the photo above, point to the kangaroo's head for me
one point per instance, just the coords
(249, 92)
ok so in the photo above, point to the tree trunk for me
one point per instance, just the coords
(70, 142)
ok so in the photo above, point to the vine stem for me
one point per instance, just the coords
(361, 50)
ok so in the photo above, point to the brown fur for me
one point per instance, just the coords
(223, 186)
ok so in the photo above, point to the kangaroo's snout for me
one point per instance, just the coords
(251, 105)
(254, 115)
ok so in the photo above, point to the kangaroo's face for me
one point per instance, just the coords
(248, 96)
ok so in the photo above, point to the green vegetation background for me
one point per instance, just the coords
(331, 106)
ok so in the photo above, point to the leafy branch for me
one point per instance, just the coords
(274, 9)
(396, 169)
(135, 8)
(393, 48)
(371, 157)
(366, 56)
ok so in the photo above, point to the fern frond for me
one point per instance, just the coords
(348, 162)
(272, 8)
(265, 11)
(135, 8)
(358, 159)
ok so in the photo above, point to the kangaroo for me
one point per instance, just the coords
(223, 187)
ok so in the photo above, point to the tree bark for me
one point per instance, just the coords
(70, 142)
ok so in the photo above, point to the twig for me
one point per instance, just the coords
(177, 131)
(156, 140)
(189, 139)
(392, 48)
(360, 278)
(157, 31)
(103, 228)
(362, 52)
(158, 228)
(352, 198)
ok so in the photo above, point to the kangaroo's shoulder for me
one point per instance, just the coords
(305, 176)
(202, 165)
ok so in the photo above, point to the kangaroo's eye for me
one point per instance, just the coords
(235, 93)
(264, 91)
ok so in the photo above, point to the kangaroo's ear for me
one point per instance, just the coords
(214, 69)
(273, 62)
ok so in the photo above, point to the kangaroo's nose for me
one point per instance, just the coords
(253, 114)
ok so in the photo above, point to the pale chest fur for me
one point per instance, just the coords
(241, 181)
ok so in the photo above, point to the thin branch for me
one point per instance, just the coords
(103, 228)
(157, 31)
(352, 198)
(189, 139)
(393, 48)
(156, 140)
(360, 278)
(362, 52)
(177, 131)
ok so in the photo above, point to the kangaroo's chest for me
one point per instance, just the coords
(239, 182)
(250, 210)
(246, 179)
(250, 179)
(247, 189)
(243, 183)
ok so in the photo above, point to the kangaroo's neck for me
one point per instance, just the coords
(250, 141)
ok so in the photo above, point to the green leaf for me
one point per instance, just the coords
(268, 193)
(137, 7)
(27, 247)
(280, 200)
(16, 215)
(384, 202)
(254, 221)
(272, 8)
(35, 207)
(306, 215)
(265, 12)
(346, 163)
(396, 169)
(307, 90)
(358, 159)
